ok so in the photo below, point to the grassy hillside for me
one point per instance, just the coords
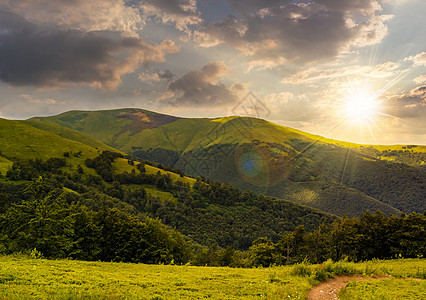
(4, 165)
(127, 128)
(110, 126)
(19, 140)
(254, 154)
(69, 134)
(121, 165)
(24, 278)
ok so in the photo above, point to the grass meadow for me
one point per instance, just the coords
(385, 289)
(22, 277)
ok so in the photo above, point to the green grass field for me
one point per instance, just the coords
(385, 289)
(25, 278)
(22, 278)
(155, 192)
(121, 165)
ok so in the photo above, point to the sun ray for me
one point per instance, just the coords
(391, 83)
(320, 137)
(345, 165)
(372, 133)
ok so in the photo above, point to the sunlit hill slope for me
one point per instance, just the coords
(254, 154)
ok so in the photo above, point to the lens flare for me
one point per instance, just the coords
(262, 165)
(250, 164)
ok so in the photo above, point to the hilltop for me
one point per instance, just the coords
(257, 155)
(129, 128)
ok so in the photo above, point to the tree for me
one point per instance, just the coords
(261, 253)
(43, 222)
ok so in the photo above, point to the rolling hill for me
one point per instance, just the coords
(21, 140)
(99, 177)
(257, 155)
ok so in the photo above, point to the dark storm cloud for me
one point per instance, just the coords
(166, 74)
(200, 87)
(351, 5)
(274, 32)
(48, 56)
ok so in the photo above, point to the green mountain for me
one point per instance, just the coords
(27, 139)
(98, 177)
(20, 140)
(257, 155)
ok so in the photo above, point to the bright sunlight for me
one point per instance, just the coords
(360, 107)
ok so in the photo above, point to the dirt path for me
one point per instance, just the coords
(328, 290)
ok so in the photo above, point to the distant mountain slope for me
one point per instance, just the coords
(69, 134)
(127, 128)
(112, 127)
(21, 140)
(254, 154)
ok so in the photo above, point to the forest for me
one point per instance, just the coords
(109, 216)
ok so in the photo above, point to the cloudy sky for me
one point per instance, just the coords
(302, 61)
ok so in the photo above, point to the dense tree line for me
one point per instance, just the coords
(297, 162)
(103, 164)
(34, 167)
(113, 217)
(370, 236)
(210, 213)
(58, 227)
(158, 155)
(406, 156)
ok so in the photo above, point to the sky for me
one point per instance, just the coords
(352, 70)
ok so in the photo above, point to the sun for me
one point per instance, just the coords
(360, 107)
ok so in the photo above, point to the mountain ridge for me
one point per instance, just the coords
(315, 137)
(247, 152)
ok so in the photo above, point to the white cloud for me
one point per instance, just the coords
(29, 99)
(420, 79)
(418, 59)
(315, 75)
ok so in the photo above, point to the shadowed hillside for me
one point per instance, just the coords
(254, 154)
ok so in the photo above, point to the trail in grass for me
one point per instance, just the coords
(328, 290)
